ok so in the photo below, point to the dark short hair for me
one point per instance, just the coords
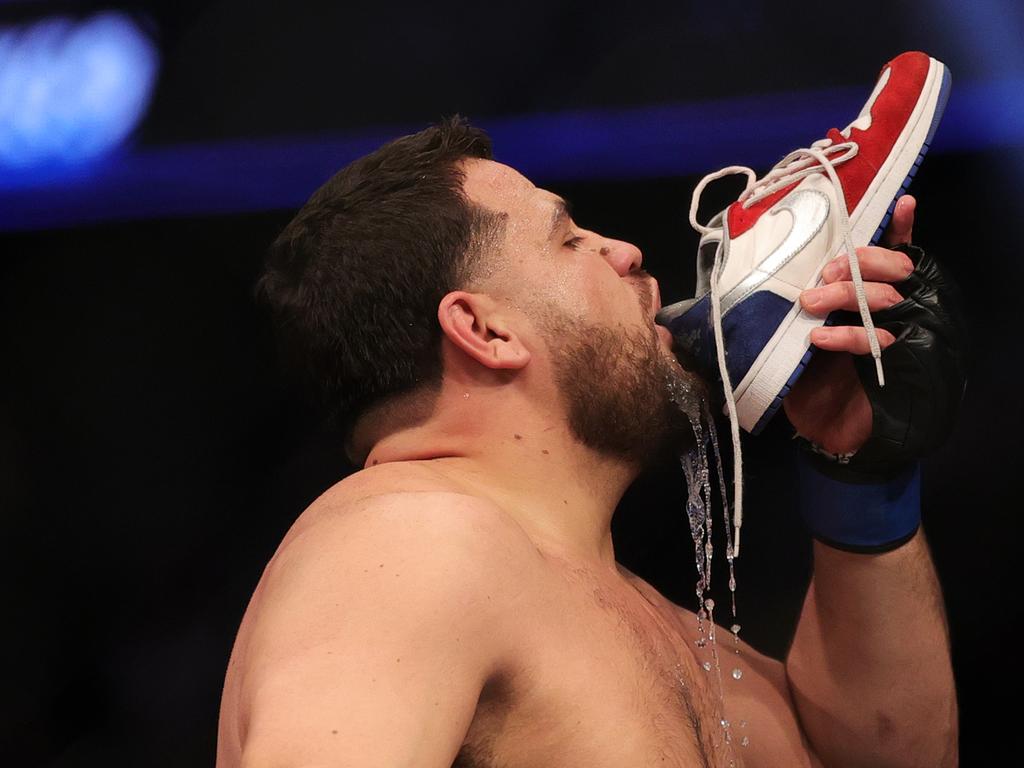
(354, 281)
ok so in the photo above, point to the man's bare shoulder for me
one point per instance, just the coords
(399, 549)
(377, 588)
(384, 517)
(407, 483)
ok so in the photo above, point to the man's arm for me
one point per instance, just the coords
(375, 631)
(869, 668)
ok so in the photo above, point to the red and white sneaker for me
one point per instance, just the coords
(760, 253)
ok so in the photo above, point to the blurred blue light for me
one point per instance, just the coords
(71, 91)
(642, 142)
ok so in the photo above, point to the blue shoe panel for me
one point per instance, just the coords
(746, 328)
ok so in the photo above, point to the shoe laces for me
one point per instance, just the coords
(821, 156)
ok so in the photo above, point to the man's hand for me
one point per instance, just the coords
(828, 404)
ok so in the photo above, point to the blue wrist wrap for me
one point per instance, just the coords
(867, 517)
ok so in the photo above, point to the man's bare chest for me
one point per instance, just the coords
(605, 679)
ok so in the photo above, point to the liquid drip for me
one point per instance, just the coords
(699, 515)
(730, 554)
(709, 604)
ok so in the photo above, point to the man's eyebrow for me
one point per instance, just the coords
(561, 213)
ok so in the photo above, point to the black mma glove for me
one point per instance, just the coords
(870, 502)
(925, 376)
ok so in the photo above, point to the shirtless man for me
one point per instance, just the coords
(457, 601)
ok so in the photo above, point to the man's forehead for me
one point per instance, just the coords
(495, 184)
(532, 213)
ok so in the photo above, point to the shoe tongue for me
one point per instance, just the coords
(837, 136)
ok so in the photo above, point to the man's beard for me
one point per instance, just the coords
(624, 393)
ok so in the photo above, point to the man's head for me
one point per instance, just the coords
(376, 270)
(355, 279)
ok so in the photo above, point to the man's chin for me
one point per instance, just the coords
(626, 395)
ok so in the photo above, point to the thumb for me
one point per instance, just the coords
(900, 229)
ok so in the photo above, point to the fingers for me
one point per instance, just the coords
(901, 226)
(848, 338)
(828, 298)
(875, 264)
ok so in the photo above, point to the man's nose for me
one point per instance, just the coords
(624, 257)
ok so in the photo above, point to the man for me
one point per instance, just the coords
(501, 379)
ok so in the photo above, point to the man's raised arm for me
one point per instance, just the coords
(869, 668)
(370, 637)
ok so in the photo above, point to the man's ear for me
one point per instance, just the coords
(475, 323)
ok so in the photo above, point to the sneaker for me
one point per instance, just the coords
(755, 258)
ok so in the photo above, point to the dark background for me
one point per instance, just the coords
(151, 457)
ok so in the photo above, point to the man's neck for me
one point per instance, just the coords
(561, 493)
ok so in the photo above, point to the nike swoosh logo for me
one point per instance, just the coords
(810, 210)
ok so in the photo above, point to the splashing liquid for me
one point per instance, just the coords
(699, 514)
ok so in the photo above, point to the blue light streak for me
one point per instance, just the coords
(674, 140)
